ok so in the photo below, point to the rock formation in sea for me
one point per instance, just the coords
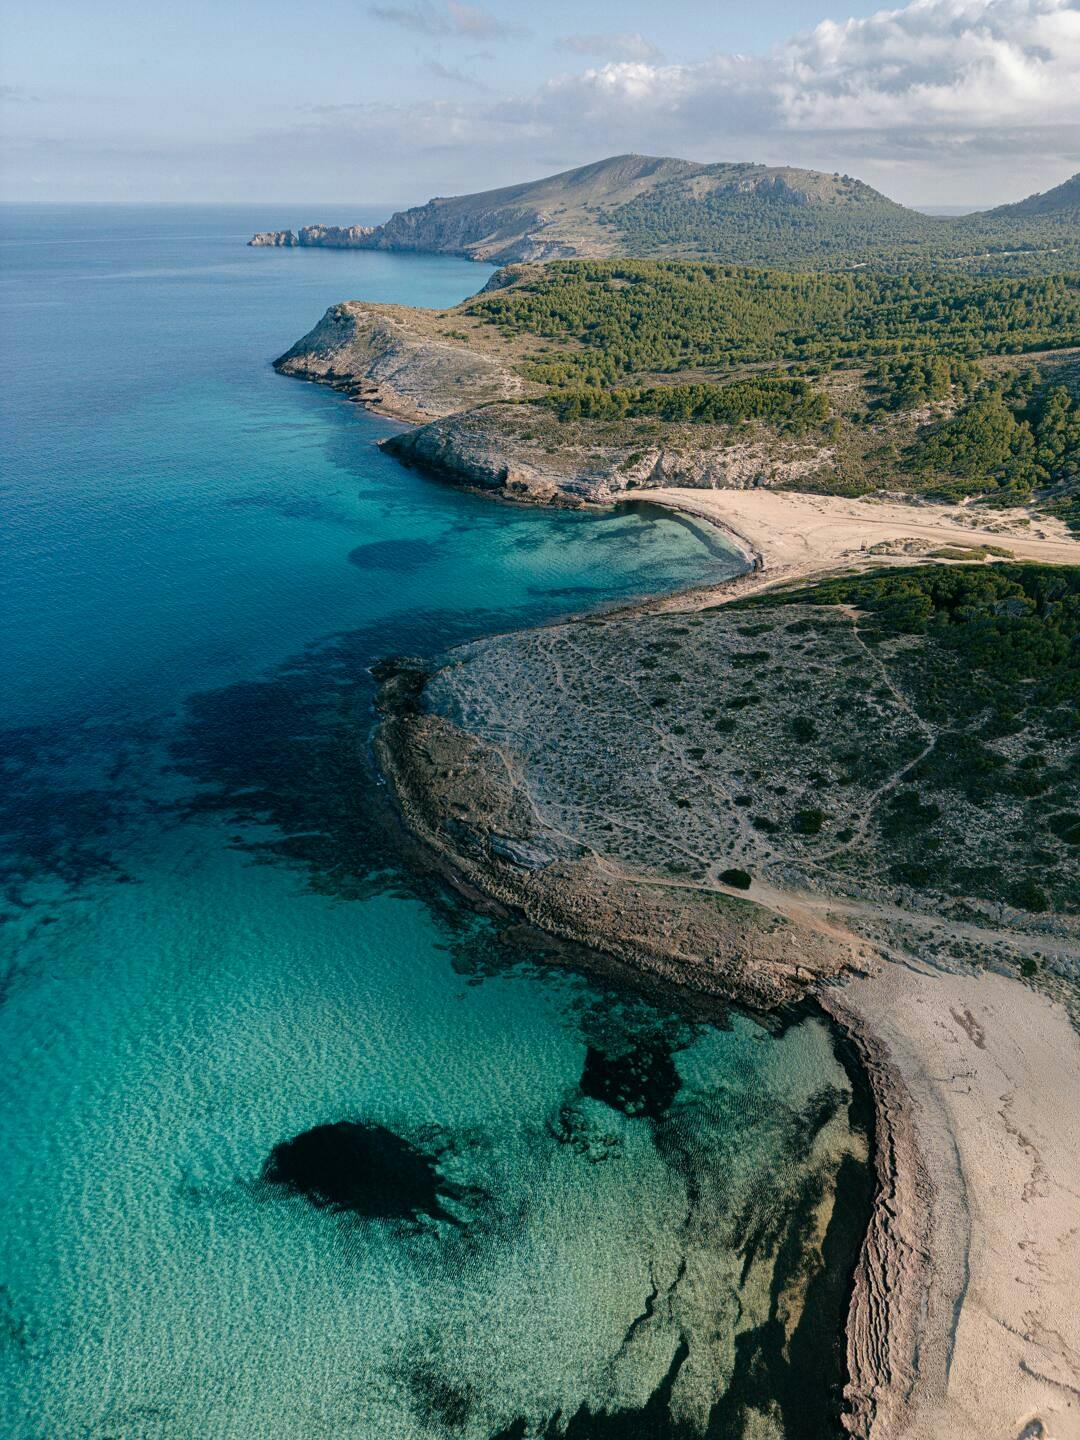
(336, 237)
(282, 239)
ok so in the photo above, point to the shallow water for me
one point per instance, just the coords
(211, 946)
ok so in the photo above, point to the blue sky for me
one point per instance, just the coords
(941, 101)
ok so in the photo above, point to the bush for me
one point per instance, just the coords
(1027, 895)
(808, 822)
(917, 876)
(803, 729)
(737, 879)
(1066, 827)
(907, 814)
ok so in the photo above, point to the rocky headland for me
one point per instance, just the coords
(749, 837)
(393, 360)
(659, 205)
(491, 418)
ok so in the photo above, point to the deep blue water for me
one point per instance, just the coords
(211, 946)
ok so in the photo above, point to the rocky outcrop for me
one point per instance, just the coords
(275, 238)
(524, 454)
(337, 237)
(455, 794)
(498, 236)
(391, 359)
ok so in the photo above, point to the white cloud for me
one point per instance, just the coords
(951, 63)
(941, 101)
(912, 95)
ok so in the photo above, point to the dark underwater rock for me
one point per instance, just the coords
(641, 1082)
(364, 1169)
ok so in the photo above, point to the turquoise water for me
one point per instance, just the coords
(212, 945)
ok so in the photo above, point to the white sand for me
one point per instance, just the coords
(792, 535)
(992, 1071)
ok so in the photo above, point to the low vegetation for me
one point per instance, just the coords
(907, 735)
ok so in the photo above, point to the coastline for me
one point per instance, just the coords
(932, 1296)
(909, 1326)
(944, 1164)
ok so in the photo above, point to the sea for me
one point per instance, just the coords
(296, 1142)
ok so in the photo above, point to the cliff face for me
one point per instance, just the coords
(442, 227)
(336, 237)
(498, 234)
(391, 358)
(510, 449)
(275, 238)
(552, 218)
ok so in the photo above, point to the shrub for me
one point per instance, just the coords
(912, 874)
(803, 729)
(1027, 895)
(808, 822)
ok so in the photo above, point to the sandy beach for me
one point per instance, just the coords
(966, 1313)
(984, 1205)
(788, 536)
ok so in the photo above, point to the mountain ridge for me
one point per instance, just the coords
(738, 212)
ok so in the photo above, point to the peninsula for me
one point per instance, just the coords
(850, 775)
(654, 206)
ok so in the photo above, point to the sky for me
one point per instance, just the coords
(339, 103)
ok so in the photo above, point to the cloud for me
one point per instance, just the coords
(935, 63)
(449, 20)
(944, 100)
(940, 101)
(630, 45)
(942, 83)
(453, 75)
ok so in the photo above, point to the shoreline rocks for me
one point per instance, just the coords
(274, 239)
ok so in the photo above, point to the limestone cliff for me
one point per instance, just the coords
(523, 454)
(336, 237)
(274, 238)
(394, 359)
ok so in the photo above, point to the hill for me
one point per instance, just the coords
(1062, 203)
(750, 214)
